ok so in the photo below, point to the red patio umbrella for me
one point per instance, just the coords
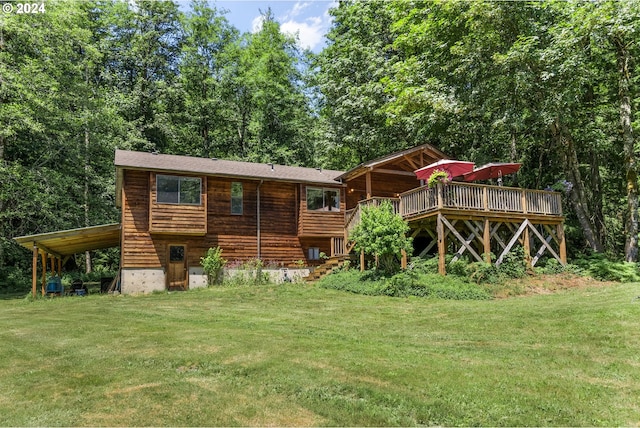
(492, 170)
(454, 167)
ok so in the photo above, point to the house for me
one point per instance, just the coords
(173, 208)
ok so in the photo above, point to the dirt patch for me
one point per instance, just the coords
(548, 284)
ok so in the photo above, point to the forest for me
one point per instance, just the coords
(550, 84)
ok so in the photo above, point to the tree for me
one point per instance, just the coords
(203, 126)
(358, 56)
(382, 233)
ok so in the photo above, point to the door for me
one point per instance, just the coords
(177, 272)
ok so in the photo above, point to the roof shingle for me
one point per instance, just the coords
(224, 168)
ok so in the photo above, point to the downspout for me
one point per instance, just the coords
(258, 219)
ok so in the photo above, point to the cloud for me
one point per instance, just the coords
(310, 32)
(310, 29)
(305, 20)
(256, 24)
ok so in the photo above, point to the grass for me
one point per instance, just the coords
(301, 355)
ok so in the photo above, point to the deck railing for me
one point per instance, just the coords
(352, 216)
(476, 197)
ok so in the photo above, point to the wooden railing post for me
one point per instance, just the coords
(440, 196)
(485, 198)
(523, 197)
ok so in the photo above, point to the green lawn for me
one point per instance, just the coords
(300, 355)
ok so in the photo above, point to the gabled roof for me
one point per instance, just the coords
(224, 168)
(403, 162)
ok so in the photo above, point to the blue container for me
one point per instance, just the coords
(54, 285)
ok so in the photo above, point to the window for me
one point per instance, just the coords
(176, 253)
(323, 199)
(236, 198)
(178, 190)
(314, 253)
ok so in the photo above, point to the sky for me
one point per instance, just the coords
(310, 19)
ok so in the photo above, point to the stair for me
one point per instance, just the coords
(326, 268)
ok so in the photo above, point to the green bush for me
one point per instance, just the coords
(405, 284)
(212, 264)
(247, 273)
(599, 267)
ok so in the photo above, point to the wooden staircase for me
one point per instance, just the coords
(326, 268)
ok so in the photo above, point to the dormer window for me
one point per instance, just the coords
(178, 190)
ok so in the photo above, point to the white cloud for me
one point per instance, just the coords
(310, 29)
(299, 21)
(256, 24)
(310, 32)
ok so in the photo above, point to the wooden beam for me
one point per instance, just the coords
(411, 162)
(34, 274)
(442, 249)
(511, 242)
(47, 250)
(544, 242)
(368, 184)
(563, 244)
(526, 245)
(396, 172)
(540, 251)
(44, 272)
(486, 240)
(461, 239)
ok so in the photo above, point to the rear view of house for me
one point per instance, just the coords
(176, 207)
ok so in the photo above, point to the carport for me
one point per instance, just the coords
(55, 248)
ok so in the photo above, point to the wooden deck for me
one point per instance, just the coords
(482, 200)
(468, 199)
(479, 220)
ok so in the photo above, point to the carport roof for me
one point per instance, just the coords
(67, 242)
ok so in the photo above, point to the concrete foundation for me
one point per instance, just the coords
(149, 280)
(142, 281)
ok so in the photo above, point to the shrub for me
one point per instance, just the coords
(381, 232)
(599, 267)
(405, 284)
(212, 264)
(247, 272)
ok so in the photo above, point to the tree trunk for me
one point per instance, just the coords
(624, 95)
(577, 195)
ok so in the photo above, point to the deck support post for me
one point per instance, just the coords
(403, 261)
(562, 243)
(442, 248)
(526, 245)
(486, 239)
(368, 184)
(44, 271)
(361, 260)
(34, 274)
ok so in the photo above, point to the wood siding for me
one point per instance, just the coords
(382, 185)
(177, 219)
(138, 249)
(236, 234)
(320, 223)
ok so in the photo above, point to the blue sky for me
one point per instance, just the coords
(309, 19)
